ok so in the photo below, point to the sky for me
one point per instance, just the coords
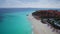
(29, 3)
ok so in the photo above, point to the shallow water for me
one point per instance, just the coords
(15, 23)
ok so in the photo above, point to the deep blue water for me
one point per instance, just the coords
(8, 10)
(14, 20)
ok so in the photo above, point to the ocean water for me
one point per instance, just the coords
(15, 21)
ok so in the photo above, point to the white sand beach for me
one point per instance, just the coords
(38, 27)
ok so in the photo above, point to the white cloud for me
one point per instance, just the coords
(21, 4)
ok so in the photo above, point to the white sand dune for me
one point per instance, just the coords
(38, 27)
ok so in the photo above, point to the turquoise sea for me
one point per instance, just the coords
(14, 20)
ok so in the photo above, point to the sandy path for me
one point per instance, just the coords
(38, 27)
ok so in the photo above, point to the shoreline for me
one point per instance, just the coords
(38, 27)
